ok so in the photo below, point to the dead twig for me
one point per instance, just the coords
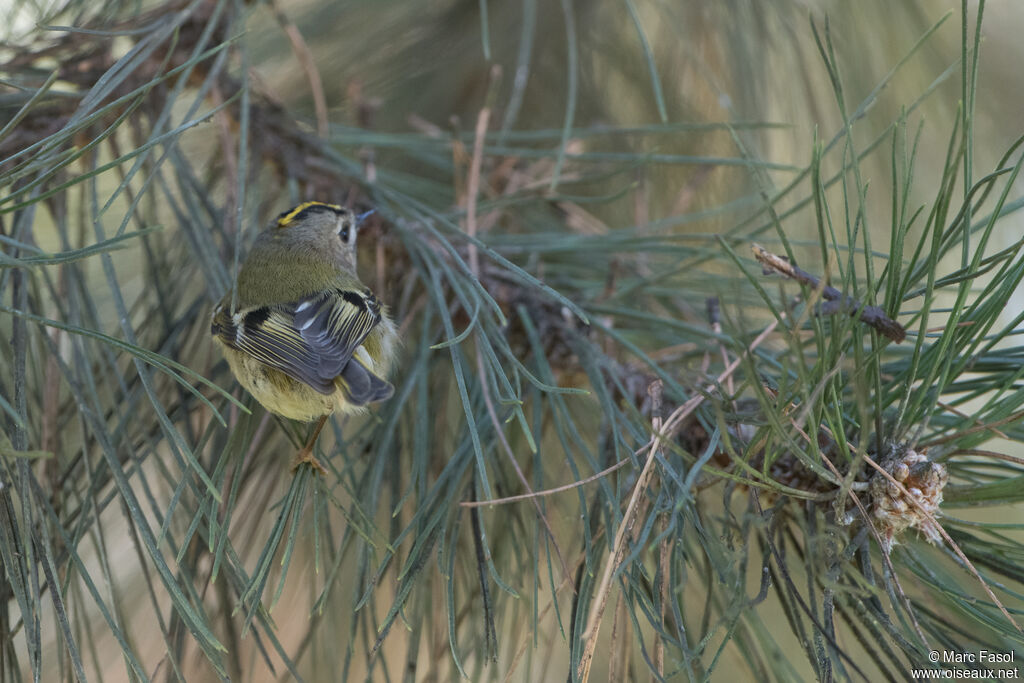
(666, 543)
(472, 189)
(871, 315)
(618, 547)
(558, 489)
(308, 63)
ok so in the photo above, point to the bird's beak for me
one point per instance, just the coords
(363, 216)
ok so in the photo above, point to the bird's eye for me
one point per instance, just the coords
(344, 234)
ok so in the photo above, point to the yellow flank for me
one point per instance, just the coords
(290, 398)
(283, 395)
(284, 220)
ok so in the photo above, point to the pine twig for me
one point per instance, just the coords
(871, 315)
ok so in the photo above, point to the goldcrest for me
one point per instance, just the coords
(307, 338)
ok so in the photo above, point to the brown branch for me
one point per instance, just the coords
(871, 315)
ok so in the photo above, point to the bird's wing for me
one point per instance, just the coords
(311, 340)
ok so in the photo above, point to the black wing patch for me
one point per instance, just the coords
(311, 340)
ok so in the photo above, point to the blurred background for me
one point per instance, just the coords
(559, 187)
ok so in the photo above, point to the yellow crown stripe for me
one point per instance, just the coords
(290, 216)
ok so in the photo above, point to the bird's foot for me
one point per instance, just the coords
(306, 456)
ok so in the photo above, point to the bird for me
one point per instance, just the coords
(305, 336)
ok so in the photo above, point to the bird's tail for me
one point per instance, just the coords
(360, 386)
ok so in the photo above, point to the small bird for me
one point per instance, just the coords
(307, 338)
